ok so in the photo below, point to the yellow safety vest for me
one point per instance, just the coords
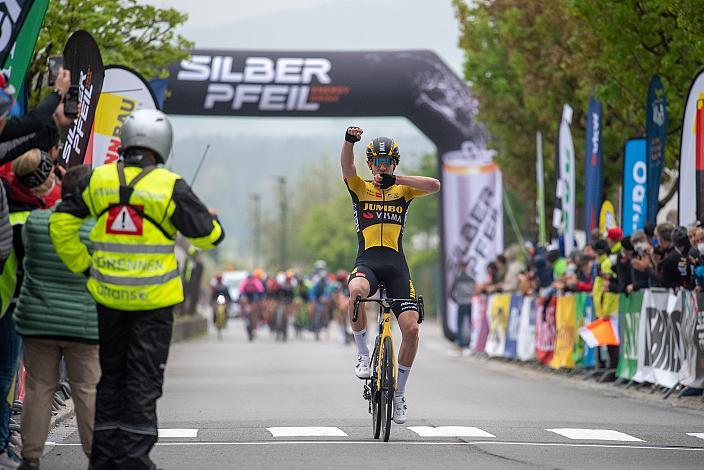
(133, 264)
(8, 277)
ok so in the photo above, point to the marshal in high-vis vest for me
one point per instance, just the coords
(134, 278)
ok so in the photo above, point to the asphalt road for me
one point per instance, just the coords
(235, 404)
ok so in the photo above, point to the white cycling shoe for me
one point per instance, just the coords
(362, 369)
(400, 409)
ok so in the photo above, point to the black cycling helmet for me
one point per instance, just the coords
(383, 147)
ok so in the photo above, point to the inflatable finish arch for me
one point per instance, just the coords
(414, 84)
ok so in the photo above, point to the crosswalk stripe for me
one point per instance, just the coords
(178, 433)
(595, 434)
(368, 442)
(310, 431)
(700, 435)
(449, 431)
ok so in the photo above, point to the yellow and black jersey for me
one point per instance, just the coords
(380, 215)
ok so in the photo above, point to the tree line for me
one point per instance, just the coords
(525, 59)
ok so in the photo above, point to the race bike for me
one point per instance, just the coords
(220, 314)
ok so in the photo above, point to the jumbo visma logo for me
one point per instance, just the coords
(382, 212)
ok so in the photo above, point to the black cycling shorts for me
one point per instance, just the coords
(253, 297)
(393, 273)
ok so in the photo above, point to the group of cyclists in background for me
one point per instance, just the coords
(283, 301)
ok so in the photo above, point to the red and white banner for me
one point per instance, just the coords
(124, 91)
(689, 167)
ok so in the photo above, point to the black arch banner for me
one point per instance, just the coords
(414, 84)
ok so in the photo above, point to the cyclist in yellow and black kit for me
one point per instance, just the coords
(380, 210)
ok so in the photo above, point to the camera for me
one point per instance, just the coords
(55, 63)
(71, 102)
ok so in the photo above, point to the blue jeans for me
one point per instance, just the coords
(9, 360)
(463, 311)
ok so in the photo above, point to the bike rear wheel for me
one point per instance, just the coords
(387, 388)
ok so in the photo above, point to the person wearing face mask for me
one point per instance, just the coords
(380, 209)
(675, 266)
(32, 182)
(699, 260)
(623, 269)
(642, 262)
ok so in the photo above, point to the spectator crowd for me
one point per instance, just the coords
(662, 255)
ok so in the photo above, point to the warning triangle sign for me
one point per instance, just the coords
(124, 220)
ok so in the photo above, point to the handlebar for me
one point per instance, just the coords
(387, 303)
(421, 309)
(355, 315)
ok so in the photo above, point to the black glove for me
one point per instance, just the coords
(351, 137)
(387, 180)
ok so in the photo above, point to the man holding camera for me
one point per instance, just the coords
(39, 128)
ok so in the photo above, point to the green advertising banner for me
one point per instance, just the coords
(578, 351)
(629, 307)
(22, 52)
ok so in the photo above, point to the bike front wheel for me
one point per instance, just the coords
(377, 411)
(387, 388)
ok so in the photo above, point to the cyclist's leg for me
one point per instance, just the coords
(408, 323)
(362, 282)
(401, 287)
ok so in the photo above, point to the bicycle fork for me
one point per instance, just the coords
(385, 332)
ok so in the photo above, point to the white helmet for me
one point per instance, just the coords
(150, 129)
(320, 265)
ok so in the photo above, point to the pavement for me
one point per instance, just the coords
(234, 404)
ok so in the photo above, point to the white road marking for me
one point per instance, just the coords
(700, 435)
(419, 443)
(310, 431)
(178, 433)
(449, 431)
(595, 434)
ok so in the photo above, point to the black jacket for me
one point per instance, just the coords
(33, 121)
(190, 217)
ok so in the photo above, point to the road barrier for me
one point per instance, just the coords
(660, 333)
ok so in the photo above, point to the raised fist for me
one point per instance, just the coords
(353, 134)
